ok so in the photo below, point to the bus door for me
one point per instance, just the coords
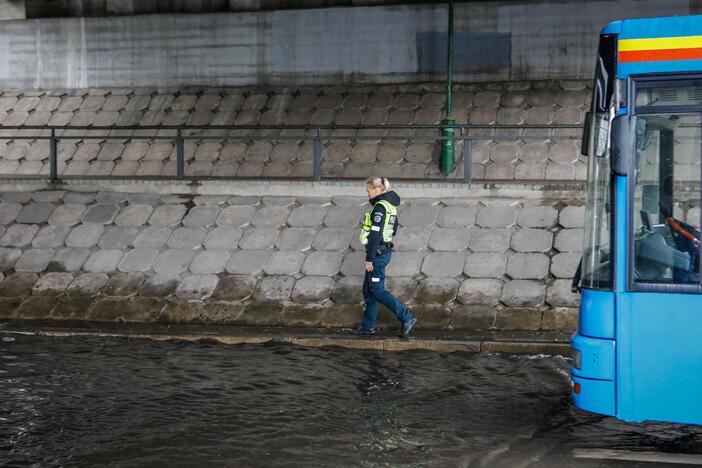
(659, 318)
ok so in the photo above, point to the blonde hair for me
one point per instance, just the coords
(377, 182)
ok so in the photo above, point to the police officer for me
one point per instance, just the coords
(378, 229)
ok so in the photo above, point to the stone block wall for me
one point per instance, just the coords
(516, 155)
(461, 263)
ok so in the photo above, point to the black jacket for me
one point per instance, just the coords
(375, 238)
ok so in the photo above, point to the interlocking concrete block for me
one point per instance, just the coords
(159, 285)
(18, 284)
(299, 239)
(391, 153)
(247, 262)
(405, 264)
(344, 216)
(274, 289)
(48, 196)
(210, 262)
(139, 259)
(278, 201)
(117, 237)
(532, 240)
(333, 239)
(528, 266)
(504, 152)
(101, 213)
(530, 171)
(232, 102)
(564, 152)
(34, 260)
(313, 289)
(559, 171)
(201, 216)
(534, 151)
(187, 238)
(197, 287)
(348, 290)
(134, 215)
(51, 236)
(489, 240)
(259, 239)
(323, 263)
(152, 236)
(124, 284)
(284, 262)
(85, 235)
(559, 294)
(235, 287)
(523, 293)
(480, 291)
(307, 216)
(443, 264)
(458, 216)
(496, 216)
(418, 216)
(19, 235)
(518, 319)
(562, 319)
(35, 213)
(236, 216)
(410, 239)
(223, 238)
(167, 215)
(449, 239)
(173, 261)
(103, 261)
(8, 257)
(436, 290)
(52, 284)
(537, 216)
(69, 259)
(574, 217)
(486, 265)
(353, 264)
(271, 216)
(569, 240)
(8, 212)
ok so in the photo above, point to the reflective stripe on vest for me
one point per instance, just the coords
(388, 225)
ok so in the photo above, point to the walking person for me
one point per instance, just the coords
(377, 233)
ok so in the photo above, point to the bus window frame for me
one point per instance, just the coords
(657, 80)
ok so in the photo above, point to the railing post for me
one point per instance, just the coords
(53, 156)
(467, 160)
(180, 155)
(317, 157)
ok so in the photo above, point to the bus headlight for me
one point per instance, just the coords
(577, 358)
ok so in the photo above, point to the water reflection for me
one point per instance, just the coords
(119, 402)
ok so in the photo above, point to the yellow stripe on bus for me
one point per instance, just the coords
(681, 42)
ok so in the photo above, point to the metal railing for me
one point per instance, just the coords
(465, 134)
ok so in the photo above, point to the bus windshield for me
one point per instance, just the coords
(596, 263)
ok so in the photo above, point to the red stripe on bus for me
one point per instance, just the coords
(660, 55)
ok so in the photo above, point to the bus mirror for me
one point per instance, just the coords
(623, 140)
(585, 144)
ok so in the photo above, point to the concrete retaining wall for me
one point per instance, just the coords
(494, 41)
(465, 262)
(519, 155)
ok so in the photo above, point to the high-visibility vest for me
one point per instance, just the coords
(388, 225)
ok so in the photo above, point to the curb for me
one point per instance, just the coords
(373, 344)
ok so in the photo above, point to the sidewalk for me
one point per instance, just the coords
(518, 342)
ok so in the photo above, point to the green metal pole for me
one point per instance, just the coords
(447, 146)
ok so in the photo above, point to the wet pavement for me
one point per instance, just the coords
(106, 401)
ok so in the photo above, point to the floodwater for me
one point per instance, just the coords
(80, 401)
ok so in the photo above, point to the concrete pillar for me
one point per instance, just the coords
(12, 9)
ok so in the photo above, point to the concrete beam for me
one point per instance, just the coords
(12, 9)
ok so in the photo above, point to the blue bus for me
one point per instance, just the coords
(637, 354)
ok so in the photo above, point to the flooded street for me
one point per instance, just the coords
(78, 401)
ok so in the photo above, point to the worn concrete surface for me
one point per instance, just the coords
(445, 341)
